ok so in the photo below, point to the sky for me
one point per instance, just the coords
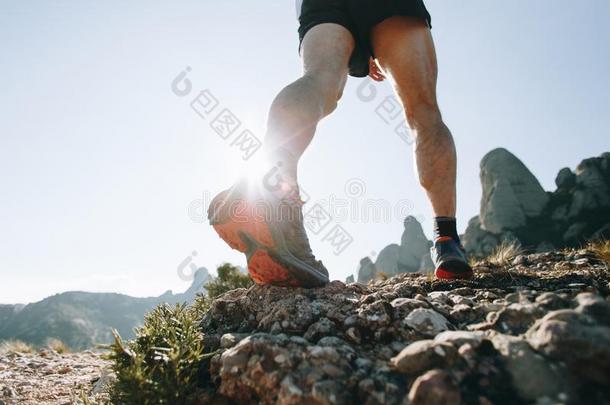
(104, 170)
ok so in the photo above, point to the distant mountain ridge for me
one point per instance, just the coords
(82, 319)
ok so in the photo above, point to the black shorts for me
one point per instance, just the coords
(358, 16)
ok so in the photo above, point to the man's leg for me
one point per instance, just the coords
(276, 245)
(297, 109)
(405, 50)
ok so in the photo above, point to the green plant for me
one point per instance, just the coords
(165, 364)
(229, 278)
(162, 364)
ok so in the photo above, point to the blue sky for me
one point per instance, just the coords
(100, 160)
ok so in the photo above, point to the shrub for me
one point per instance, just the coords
(162, 364)
(165, 364)
(229, 278)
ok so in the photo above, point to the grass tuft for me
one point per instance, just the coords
(57, 345)
(503, 254)
(16, 346)
(601, 248)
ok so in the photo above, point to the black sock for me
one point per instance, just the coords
(445, 226)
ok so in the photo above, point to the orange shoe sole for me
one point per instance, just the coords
(243, 230)
(443, 274)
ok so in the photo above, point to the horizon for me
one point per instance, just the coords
(105, 167)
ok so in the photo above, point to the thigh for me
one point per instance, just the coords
(405, 50)
(326, 50)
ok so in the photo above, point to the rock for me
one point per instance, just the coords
(366, 270)
(516, 318)
(511, 193)
(426, 265)
(366, 340)
(514, 206)
(424, 355)
(436, 387)
(551, 301)
(412, 255)
(387, 260)
(477, 241)
(350, 279)
(413, 246)
(577, 340)
(321, 328)
(594, 306)
(427, 322)
(459, 338)
(565, 178)
(532, 375)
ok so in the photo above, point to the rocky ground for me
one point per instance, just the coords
(47, 377)
(536, 330)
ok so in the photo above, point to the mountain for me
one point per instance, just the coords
(81, 319)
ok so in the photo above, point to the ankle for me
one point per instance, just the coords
(445, 227)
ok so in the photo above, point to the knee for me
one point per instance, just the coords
(424, 115)
(329, 84)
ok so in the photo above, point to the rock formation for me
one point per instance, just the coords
(515, 208)
(412, 255)
(511, 193)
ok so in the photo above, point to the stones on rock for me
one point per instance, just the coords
(427, 322)
(424, 355)
(436, 387)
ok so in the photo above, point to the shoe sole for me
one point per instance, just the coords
(464, 271)
(269, 261)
